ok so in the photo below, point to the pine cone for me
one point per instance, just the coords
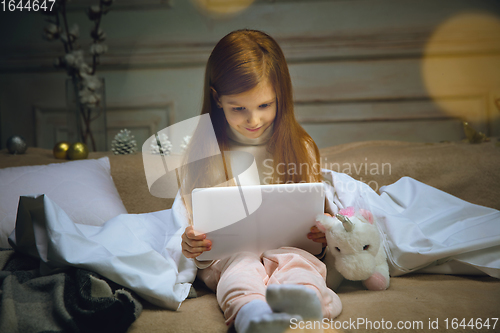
(124, 143)
(166, 145)
(185, 143)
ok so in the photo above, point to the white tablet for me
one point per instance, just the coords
(257, 218)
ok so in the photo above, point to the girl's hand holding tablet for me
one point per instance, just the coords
(194, 243)
(316, 235)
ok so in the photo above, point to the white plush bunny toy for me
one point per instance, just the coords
(355, 249)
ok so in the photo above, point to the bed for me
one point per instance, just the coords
(413, 302)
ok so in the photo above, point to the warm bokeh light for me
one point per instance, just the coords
(462, 63)
(222, 8)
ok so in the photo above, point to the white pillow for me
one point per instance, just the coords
(83, 189)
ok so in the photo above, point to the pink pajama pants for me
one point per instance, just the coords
(244, 277)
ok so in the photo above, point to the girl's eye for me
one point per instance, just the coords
(263, 106)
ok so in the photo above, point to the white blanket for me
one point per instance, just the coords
(425, 229)
(138, 251)
(422, 227)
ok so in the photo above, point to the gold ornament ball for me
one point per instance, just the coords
(78, 151)
(61, 150)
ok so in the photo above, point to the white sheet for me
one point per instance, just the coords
(138, 251)
(423, 227)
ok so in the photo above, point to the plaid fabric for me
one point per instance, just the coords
(71, 300)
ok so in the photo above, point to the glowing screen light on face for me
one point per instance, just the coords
(192, 143)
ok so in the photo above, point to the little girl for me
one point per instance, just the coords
(248, 95)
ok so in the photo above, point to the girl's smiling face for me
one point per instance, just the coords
(251, 112)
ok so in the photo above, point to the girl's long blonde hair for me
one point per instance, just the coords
(238, 63)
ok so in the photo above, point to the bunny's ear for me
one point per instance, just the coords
(367, 215)
(324, 222)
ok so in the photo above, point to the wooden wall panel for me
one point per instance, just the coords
(142, 121)
(365, 67)
(438, 77)
(329, 134)
(472, 110)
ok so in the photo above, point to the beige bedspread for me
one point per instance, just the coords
(470, 172)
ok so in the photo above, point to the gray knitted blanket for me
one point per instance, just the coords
(72, 300)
